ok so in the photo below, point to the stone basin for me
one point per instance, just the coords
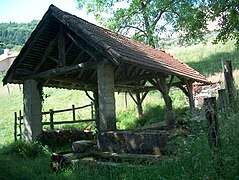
(139, 142)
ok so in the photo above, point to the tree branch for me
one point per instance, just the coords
(157, 18)
(134, 27)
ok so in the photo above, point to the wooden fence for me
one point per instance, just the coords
(18, 118)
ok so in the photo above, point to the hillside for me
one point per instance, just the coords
(14, 35)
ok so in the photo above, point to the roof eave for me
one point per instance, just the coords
(25, 48)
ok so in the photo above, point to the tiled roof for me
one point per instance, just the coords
(40, 54)
(130, 50)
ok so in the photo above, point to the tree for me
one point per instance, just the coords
(226, 12)
(14, 35)
(148, 19)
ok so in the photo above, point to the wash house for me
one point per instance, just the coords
(65, 51)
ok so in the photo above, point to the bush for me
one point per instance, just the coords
(26, 150)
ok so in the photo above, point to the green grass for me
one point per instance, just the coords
(207, 59)
(189, 157)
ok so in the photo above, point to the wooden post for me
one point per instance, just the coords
(164, 88)
(222, 99)
(15, 126)
(73, 112)
(169, 112)
(51, 119)
(125, 100)
(189, 86)
(92, 109)
(20, 123)
(138, 101)
(229, 83)
(96, 103)
(211, 116)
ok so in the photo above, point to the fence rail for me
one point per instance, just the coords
(18, 118)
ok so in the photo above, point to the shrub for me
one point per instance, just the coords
(26, 150)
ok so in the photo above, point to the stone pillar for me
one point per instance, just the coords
(32, 110)
(105, 73)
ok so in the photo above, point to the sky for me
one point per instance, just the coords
(24, 11)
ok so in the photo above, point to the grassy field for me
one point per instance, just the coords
(189, 157)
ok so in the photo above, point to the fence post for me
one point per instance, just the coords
(51, 119)
(73, 112)
(211, 116)
(20, 123)
(229, 83)
(222, 99)
(15, 126)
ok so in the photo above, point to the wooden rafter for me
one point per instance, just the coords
(73, 80)
(27, 48)
(130, 74)
(92, 75)
(78, 57)
(84, 45)
(69, 47)
(136, 79)
(45, 54)
(53, 59)
(61, 47)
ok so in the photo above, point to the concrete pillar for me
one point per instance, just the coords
(105, 73)
(32, 110)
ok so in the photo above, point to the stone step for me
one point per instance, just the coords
(83, 145)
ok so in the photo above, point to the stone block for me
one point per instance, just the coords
(83, 145)
(139, 142)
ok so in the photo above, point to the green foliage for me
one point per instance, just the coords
(25, 150)
(148, 20)
(227, 15)
(14, 35)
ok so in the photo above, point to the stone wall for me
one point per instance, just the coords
(139, 142)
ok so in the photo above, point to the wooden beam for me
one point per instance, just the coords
(80, 74)
(78, 57)
(61, 47)
(189, 85)
(84, 45)
(157, 85)
(60, 70)
(69, 47)
(53, 59)
(22, 71)
(92, 76)
(81, 83)
(47, 51)
(136, 79)
(170, 82)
